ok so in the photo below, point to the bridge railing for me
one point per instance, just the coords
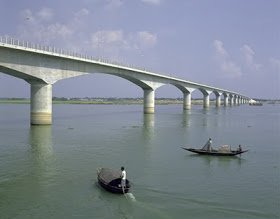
(38, 47)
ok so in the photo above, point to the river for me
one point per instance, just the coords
(50, 171)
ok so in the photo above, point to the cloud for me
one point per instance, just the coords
(106, 38)
(45, 14)
(81, 13)
(248, 54)
(79, 20)
(146, 39)
(113, 4)
(120, 46)
(219, 46)
(57, 30)
(39, 27)
(109, 44)
(223, 59)
(117, 38)
(152, 2)
(76, 36)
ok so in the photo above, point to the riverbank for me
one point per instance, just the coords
(115, 101)
(107, 101)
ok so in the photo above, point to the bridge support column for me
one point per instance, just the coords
(187, 101)
(225, 100)
(235, 100)
(41, 104)
(149, 101)
(218, 100)
(231, 100)
(206, 100)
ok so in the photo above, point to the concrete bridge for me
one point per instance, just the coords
(42, 66)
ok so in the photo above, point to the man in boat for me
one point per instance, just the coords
(123, 178)
(207, 146)
(239, 148)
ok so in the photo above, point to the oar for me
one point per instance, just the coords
(124, 192)
(123, 188)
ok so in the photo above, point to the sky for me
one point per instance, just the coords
(233, 45)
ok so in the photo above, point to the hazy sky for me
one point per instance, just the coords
(231, 44)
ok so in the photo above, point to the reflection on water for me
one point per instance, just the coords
(206, 110)
(205, 114)
(28, 174)
(41, 141)
(148, 126)
(42, 154)
(149, 120)
(186, 118)
(212, 116)
(221, 161)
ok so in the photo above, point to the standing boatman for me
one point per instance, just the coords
(207, 146)
(123, 178)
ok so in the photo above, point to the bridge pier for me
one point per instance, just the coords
(187, 101)
(41, 103)
(149, 101)
(225, 99)
(231, 100)
(206, 100)
(218, 100)
(237, 100)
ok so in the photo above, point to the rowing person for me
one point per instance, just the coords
(123, 178)
(207, 146)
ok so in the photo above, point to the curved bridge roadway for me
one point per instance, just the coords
(42, 66)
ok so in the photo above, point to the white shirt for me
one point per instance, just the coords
(123, 175)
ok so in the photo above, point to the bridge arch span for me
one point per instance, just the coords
(148, 85)
(44, 66)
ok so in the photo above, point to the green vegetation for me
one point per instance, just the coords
(115, 101)
(14, 101)
(87, 100)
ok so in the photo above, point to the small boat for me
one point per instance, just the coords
(110, 180)
(256, 104)
(224, 150)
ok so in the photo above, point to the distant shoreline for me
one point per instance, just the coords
(115, 101)
(100, 101)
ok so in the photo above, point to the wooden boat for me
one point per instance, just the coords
(214, 152)
(256, 104)
(110, 180)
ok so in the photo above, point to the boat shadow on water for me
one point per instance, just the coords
(104, 192)
(224, 160)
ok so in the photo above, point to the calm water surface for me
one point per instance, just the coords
(50, 171)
